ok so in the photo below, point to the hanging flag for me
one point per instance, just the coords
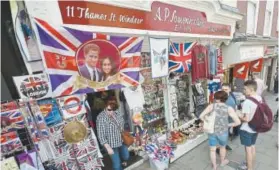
(240, 70)
(159, 48)
(79, 61)
(180, 59)
(256, 65)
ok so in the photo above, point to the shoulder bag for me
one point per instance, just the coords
(209, 121)
(127, 138)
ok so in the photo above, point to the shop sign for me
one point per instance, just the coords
(240, 70)
(162, 17)
(269, 50)
(251, 52)
(33, 86)
(267, 62)
(173, 109)
(220, 69)
(256, 65)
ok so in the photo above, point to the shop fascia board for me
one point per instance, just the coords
(213, 9)
(232, 56)
(158, 34)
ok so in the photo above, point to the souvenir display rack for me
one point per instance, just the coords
(45, 120)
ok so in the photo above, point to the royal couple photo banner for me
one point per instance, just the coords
(80, 61)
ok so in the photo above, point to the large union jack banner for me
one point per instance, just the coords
(180, 58)
(79, 61)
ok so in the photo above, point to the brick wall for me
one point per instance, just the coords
(242, 6)
(261, 18)
(274, 31)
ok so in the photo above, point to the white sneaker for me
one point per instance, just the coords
(243, 165)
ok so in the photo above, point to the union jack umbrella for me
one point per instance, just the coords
(59, 46)
(180, 59)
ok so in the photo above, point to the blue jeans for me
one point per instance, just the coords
(115, 157)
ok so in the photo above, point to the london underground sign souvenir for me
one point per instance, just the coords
(33, 86)
(72, 106)
(162, 17)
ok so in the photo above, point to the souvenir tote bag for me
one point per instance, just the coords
(209, 121)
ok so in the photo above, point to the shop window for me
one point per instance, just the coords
(251, 17)
(268, 17)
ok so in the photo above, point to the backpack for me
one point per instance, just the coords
(263, 117)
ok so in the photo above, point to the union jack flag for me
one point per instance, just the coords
(59, 46)
(66, 163)
(15, 118)
(180, 58)
(10, 142)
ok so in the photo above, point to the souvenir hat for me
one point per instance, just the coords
(75, 132)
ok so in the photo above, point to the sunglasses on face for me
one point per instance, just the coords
(110, 110)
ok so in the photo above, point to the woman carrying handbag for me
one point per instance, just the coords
(216, 124)
(111, 134)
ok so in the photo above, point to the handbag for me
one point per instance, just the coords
(209, 121)
(127, 138)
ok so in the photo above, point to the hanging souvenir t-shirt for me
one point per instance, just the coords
(50, 111)
(199, 63)
(135, 98)
(212, 57)
(72, 106)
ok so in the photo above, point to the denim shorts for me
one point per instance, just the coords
(221, 140)
(248, 139)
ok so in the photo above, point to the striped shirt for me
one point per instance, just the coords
(108, 131)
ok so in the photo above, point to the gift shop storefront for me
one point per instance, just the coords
(155, 58)
(245, 55)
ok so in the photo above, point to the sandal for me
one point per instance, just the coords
(124, 164)
(226, 161)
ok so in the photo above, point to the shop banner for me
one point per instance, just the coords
(240, 70)
(181, 57)
(72, 106)
(162, 17)
(173, 109)
(33, 86)
(80, 61)
(220, 69)
(256, 65)
(159, 48)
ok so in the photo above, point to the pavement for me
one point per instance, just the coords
(266, 151)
